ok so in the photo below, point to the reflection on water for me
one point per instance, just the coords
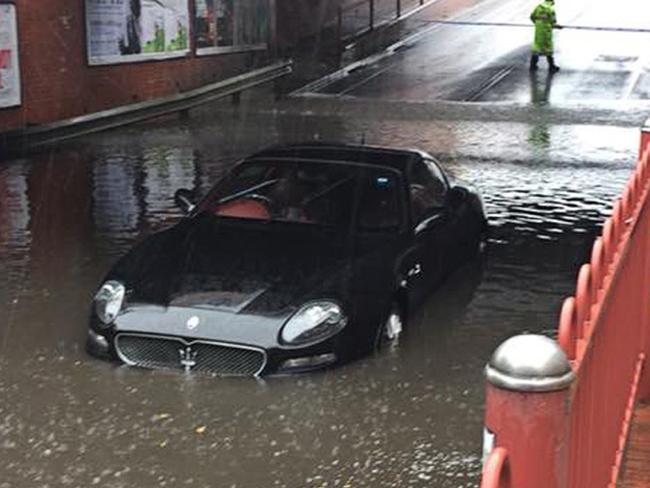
(540, 94)
(14, 218)
(540, 87)
(408, 417)
(116, 206)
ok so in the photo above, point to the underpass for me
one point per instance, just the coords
(547, 165)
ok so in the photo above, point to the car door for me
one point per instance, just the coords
(383, 226)
(462, 224)
(428, 190)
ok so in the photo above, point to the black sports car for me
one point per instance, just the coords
(301, 257)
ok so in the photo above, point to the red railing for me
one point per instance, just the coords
(496, 472)
(575, 437)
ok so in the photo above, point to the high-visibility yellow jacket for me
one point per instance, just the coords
(544, 19)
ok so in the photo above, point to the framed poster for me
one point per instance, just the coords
(124, 31)
(9, 63)
(223, 26)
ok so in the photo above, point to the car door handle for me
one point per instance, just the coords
(415, 270)
(430, 223)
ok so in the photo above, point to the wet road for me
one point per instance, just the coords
(408, 417)
(479, 63)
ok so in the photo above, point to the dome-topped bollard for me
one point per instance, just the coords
(528, 393)
(529, 363)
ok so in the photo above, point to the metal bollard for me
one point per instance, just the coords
(527, 410)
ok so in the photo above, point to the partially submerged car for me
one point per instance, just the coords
(302, 256)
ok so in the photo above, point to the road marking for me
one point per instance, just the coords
(362, 82)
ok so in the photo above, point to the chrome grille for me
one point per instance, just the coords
(156, 352)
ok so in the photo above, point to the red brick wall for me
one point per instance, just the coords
(57, 82)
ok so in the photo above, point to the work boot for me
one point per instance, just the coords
(533, 62)
(552, 67)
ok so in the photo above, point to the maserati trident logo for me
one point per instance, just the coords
(188, 358)
(193, 322)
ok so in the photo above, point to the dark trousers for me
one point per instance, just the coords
(535, 58)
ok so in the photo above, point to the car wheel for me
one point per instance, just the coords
(391, 328)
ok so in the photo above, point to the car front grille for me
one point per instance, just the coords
(156, 352)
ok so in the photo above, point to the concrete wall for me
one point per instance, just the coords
(57, 83)
(301, 19)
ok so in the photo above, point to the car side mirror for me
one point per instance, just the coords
(456, 196)
(184, 200)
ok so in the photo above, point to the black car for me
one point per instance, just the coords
(302, 256)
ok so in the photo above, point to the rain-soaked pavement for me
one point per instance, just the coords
(482, 63)
(548, 172)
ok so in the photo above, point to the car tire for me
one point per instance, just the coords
(390, 328)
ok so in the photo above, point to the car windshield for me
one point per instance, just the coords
(306, 193)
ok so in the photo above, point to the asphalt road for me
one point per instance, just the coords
(484, 63)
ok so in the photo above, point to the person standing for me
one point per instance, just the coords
(544, 19)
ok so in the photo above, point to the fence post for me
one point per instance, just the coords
(645, 137)
(644, 237)
(398, 9)
(372, 14)
(528, 392)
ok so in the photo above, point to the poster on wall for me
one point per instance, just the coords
(123, 31)
(9, 66)
(231, 25)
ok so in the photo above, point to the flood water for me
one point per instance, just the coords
(407, 417)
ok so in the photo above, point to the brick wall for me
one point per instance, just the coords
(57, 83)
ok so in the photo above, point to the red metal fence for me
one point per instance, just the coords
(574, 437)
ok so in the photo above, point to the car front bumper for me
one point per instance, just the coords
(216, 358)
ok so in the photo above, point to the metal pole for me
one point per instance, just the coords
(273, 29)
(372, 14)
(339, 27)
(398, 8)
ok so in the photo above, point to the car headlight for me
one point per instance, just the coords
(108, 301)
(314, 322)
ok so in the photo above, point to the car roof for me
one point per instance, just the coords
(372, 155)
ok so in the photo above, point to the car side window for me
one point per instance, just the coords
(379, 204)
(427, 189)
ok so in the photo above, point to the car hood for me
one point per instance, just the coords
(232, 267)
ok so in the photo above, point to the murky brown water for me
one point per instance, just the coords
(408, 417)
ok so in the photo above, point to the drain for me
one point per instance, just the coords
(490, 83)
(609, 58)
